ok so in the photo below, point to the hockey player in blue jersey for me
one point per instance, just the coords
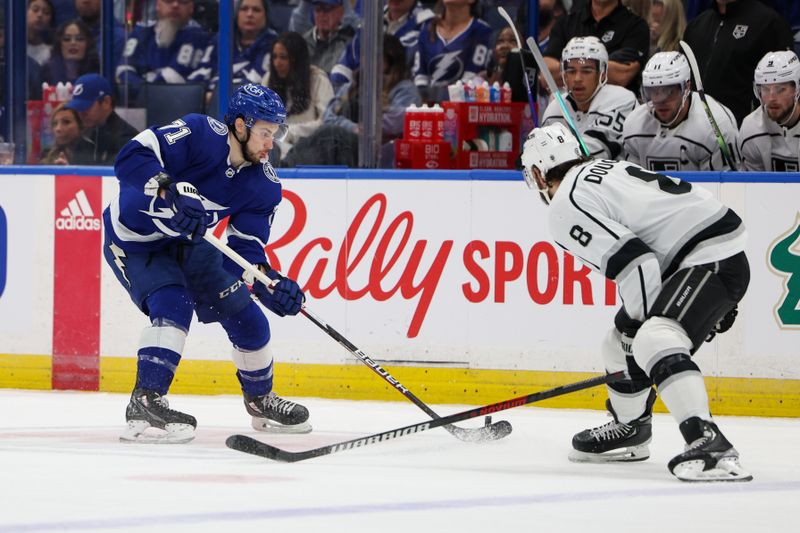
(165, 52)
(456, 45)
(175, 181)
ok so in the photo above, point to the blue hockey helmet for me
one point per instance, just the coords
(255, 102)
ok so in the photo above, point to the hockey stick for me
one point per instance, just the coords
(726, 152)
(250, 445)
(553, 88)
(489, 431)
(505, 15)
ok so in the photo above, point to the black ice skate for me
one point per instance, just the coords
(615, 441)
(147, 409)
(709, 456)
(273, 414)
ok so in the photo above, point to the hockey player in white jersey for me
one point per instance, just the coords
(770, 135)
(599, 109)
(672, 131)
(676, 255)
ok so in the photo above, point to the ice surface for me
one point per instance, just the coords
(62, 468)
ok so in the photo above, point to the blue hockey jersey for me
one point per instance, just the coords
(438, 63)
(144, 61)
(249, 64)
(407, 31)
(193, 149)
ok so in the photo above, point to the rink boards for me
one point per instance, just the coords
(446, 278)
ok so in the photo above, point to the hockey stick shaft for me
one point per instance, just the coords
(461, 433)
(247, 444)
(723, 145)
(553, 88)
(511, 25)
(500, 429)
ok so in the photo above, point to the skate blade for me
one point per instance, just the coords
(622, 455)
(270, 426)
(173, 433)
(727, 469)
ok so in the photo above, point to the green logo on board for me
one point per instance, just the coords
(784, 260)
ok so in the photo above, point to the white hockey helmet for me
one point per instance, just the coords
(777, 67)
(588, 47)
(545, 148)
(666, 68)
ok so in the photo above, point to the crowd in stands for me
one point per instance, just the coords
(308, 51)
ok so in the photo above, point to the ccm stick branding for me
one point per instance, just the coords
(78, 215)
(394, 262)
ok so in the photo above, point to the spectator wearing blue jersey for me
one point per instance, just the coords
(454, 45)
(40, 25)
(303, 87)
(74, 54)
(401, 18)
(167, 51)
(329, 37)
(176, 181)
(252, 41)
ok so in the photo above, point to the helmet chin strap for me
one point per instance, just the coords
(789, 116)
(243, 145)
(601, 81)
(672, 122)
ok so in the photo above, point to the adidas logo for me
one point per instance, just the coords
(78, 215)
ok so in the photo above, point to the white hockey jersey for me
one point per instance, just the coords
(601, 125)
(691, 145)
(768, 147)
(638, 228)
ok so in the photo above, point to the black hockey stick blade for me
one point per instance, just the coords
(495, 431)
(488, 432)
(246, 444)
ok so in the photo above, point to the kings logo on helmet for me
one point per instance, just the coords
(78, 215)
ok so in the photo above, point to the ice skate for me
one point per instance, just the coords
(273, 414)
(148, 409)
(709, 456)
(615, 441)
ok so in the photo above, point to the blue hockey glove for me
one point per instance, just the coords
(190, 216)
(286, 297)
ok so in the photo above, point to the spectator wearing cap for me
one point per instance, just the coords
(165, 52)
(91, 98)
(329, 38)
(302, 17)
(626, 37)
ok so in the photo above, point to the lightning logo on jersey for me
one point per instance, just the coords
(439, 63)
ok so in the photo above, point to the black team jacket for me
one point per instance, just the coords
(728, 47)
